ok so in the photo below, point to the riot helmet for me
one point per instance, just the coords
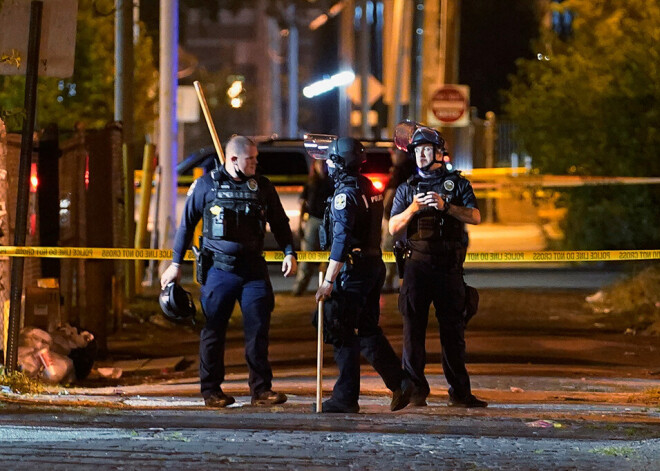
(424, 135)
(348, 154)
(177, 303)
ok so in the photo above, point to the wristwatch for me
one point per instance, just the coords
(446, 208)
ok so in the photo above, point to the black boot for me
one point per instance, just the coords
(401, 397)
(332, 406)
(466, 402)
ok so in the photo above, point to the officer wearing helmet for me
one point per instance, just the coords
(353, 282)
(429, 213)
(234, 204)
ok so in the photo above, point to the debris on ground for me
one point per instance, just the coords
(544, 424)
(60, 357)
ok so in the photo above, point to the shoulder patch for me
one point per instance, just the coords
(192, 188)
(340, 201)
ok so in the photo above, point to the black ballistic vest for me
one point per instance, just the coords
(366, 232)
(429, 226)
(236, 213)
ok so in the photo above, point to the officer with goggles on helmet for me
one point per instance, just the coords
(235, 204)
(353, 281)
(429, 212)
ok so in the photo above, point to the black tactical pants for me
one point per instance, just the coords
(360, 287)
(440, 283)
(250, 286)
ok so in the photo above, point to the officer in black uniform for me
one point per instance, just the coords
(235, 204)
(353, 281)
(430, 211)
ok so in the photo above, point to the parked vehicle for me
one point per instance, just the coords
(286, 164)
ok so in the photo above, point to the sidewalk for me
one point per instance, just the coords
(528, 350)
(507, 395)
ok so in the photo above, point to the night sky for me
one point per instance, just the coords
(494, 33)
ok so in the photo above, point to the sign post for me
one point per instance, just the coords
(45, 35)
(449, 106)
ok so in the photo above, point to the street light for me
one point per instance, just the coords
(322, 86)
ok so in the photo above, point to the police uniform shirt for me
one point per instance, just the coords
(456, 190)
(202, 192)
(356, 211)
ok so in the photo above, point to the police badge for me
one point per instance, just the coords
(252, 184)
(449, 185)
(340, 201)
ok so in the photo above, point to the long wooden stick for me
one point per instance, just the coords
(209, 121)
(319, 352)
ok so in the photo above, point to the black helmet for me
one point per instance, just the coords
(426, 135)
(347, 153)
(176, 303)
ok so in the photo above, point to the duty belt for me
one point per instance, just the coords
(224, 261)
(358, 253)
(436, 258)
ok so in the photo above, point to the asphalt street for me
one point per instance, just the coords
(290, 437)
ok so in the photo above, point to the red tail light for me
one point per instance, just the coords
(379, 180)
(87, 172)
(34, 179)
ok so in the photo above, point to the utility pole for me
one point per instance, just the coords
(275, 81)
(20, 227)
(365, 68)
(416, 66)
(346, 61)
(292, 62)
(168, 149)
(124, 110)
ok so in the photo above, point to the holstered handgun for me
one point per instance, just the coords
(401, 253)
(203, 262)
(325, 229)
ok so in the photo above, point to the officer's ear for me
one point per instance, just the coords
(233, 159)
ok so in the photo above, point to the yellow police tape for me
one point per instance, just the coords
(388, 257)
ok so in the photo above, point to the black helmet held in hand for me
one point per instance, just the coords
(177, 303)
(347, 153)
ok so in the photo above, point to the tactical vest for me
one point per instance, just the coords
(236, 212)
(431, 225)
(366, 233)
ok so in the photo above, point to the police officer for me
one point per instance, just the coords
(318, 188)
(353, 281)
(430, 211)
(234, 203)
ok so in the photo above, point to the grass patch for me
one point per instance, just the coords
(20, 383)
(619, 451)
(637, 298)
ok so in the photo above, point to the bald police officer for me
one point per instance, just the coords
(235, 204)
(353, 282)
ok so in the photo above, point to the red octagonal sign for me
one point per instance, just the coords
(449, 103)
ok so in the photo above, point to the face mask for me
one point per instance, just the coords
(239, 172)
(333, 170)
